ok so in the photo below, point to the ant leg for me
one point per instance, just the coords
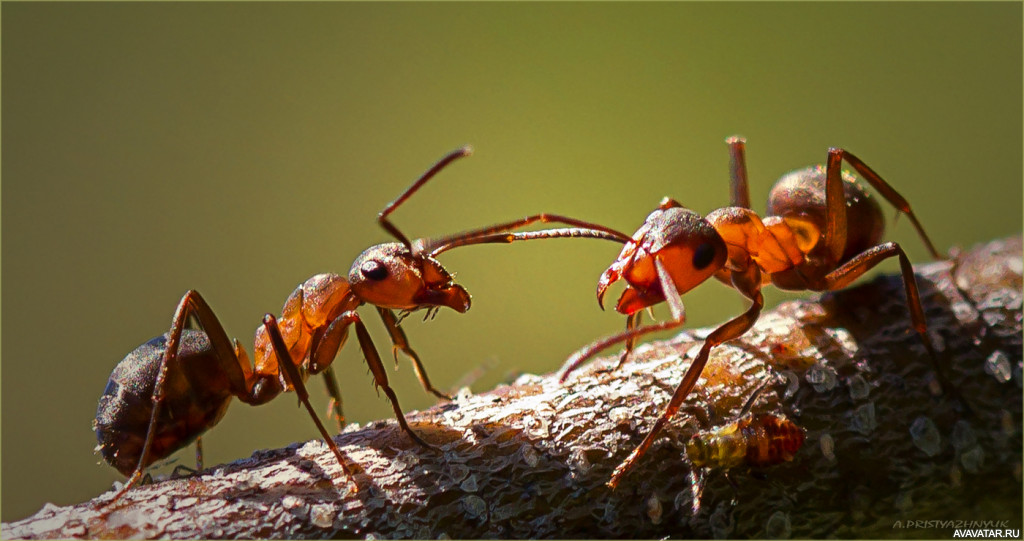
(322, 351)
(739, 191)
(864, 262)
(292, 376)
(585, 353)
(632, 322)
(199, 453)
(334, 408)
(731, 329)
(891, 195)
(334, 338)
(673, 299)
(433, 247)
(381, 378)
(382, 217)
(321, 355)
(835, 208)
(192, 303)
(177, 471)
(400, 342)
(675, 303)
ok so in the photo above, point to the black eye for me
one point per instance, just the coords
(703, 256)
(374, 270)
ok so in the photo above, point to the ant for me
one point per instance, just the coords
(821, 231)
(163, 395)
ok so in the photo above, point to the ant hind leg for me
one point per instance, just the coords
(890, 195)
(191, 305)
(864, 262)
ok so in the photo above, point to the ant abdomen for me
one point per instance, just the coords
(800, 194)
(191, 404)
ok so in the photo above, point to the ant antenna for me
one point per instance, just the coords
(382, 218)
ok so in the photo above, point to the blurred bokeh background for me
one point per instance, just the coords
(240, 148)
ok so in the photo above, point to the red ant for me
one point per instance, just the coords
(821, 232)
(167, 392)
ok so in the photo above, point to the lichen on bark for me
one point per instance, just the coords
(885, 447)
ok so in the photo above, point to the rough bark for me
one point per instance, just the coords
(885, 446)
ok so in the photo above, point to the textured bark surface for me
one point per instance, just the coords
(885, 448)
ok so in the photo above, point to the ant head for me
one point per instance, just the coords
(390, 276)
(686, 244)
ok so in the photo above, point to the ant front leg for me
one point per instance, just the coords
(400, 342)
(335, 407)
(632, 321)
(586, 353)
(675, 303)
(748, 283)
(292, 376)
(883, 187)
(332, 341)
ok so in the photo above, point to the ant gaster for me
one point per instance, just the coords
(167, 392)
(821, 232)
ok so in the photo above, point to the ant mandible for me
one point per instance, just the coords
(166, 393)
(820, 233)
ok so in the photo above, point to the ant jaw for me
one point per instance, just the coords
(455, 297)
(608, 278)
(634, 300)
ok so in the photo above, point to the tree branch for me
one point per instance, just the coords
(884, 447)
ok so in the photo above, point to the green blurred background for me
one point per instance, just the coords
(240, 148)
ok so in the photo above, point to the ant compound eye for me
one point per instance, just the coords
(373, 270)
(703, 255)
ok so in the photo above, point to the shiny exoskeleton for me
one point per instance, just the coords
(126, 407)
(821, 232)
(169, 391)
(756, 441)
